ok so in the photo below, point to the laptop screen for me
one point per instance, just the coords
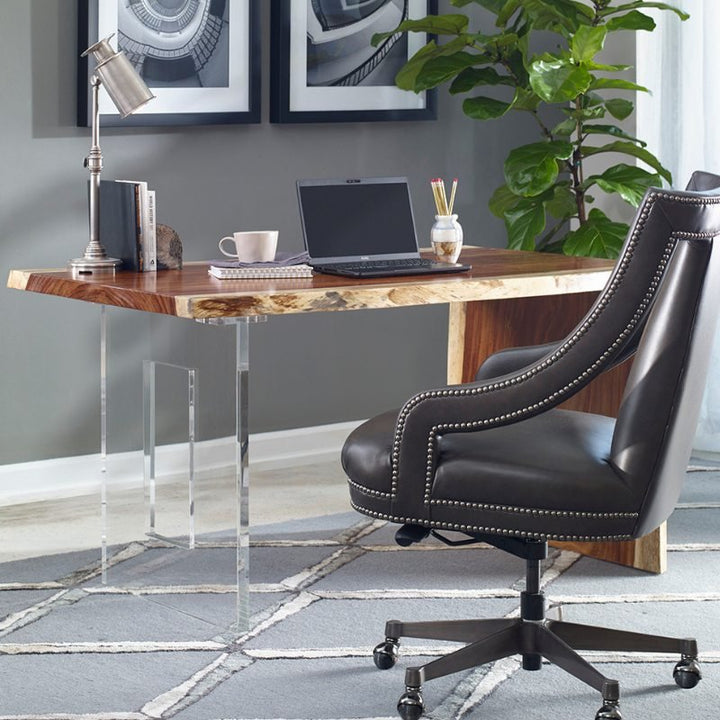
(357, 219)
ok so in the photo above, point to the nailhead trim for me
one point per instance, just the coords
(368, 491)
(621, 269)
(535, 511)
(482, 529)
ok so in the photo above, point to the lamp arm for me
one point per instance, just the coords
(94, 164)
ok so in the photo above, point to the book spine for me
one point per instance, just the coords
(151, 233)
(140, 222)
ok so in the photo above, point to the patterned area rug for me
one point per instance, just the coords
(153, 642)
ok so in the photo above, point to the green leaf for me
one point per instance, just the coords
(471, 77)
(433, 24)
(485, 108)
(592, 99)
(613, 130)
(525, 100)
(619, 108)
(641, 4)
(559, 16)
(405, 79)
(532, 169)
(587, 42)
(407, 76)
(565, 128)
(593, 113)
(627, 148)
(557, 80)
(629, 181)
(616, 84)
(524, 223)
(592, 65)
(562, 204)
(502, 200)
(509, 9)
(634, 20)
(516, 65)
(442, 68)
(597, 237)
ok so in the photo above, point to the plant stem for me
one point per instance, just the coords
(577, 167)
(544, 128)
(549, 235)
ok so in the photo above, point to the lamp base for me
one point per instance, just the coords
(91, 265)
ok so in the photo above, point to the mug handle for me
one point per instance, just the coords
(225, 252)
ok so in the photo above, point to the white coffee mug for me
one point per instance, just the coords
(253, 246)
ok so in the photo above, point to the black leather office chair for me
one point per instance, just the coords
(495, 459)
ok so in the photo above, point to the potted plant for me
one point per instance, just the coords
(546, 185)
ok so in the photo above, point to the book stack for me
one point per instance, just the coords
(127, 223)
(285, 265)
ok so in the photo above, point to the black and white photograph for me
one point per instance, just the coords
(325, 68)
(200, 58)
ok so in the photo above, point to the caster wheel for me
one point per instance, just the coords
(609, 711)
(687, 673)
(411, 705)
(385, 654)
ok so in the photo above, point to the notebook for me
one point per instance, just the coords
(363, 227)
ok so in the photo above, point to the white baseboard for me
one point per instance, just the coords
(73, 476)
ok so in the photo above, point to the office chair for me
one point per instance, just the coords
(496, 460)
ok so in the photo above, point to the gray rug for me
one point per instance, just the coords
(154, 643)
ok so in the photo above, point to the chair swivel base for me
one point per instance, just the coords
(557, 641)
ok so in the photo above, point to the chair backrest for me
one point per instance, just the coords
(658, 415)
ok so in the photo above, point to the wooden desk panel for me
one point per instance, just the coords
(479, 329)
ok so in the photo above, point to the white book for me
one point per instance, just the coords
(248, 273)
(151, 240)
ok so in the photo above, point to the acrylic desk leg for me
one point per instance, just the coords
(242, 476)
(150, 371)
(103, 442)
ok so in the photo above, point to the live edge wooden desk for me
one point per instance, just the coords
(509, 298)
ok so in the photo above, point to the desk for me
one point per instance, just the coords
(508, 298)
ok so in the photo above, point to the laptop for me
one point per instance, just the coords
(363, 227)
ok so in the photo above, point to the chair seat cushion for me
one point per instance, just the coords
(546, 476)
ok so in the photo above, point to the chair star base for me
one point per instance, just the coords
(533, 636)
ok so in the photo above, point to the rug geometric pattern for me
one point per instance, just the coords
(153, 642)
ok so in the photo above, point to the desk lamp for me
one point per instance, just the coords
(128, 92)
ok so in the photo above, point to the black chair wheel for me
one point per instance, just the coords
(385, 654)
(609, 711)
(687, 673)
(411, 705)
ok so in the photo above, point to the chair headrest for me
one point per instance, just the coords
(704, 182)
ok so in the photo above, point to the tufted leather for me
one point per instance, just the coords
(496, 456)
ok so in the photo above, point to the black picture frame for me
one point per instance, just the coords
(214, 80)
(338, 97)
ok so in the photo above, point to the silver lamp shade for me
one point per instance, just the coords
(125, 87)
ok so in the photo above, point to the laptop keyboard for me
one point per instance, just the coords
(408, 263)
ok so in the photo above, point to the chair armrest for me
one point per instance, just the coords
(512, 359)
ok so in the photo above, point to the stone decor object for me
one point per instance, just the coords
(169, 249)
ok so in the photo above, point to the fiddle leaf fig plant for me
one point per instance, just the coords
(544, 200)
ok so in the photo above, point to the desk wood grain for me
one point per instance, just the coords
(192, 293)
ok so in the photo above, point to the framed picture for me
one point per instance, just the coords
(200, 58)
(324, 68)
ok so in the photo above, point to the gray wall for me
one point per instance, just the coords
(305, 370)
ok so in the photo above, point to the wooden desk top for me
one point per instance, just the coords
(192, 293)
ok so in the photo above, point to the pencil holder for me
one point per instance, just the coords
(446, 237)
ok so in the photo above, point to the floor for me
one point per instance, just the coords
(153, 642)
(71, 524)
